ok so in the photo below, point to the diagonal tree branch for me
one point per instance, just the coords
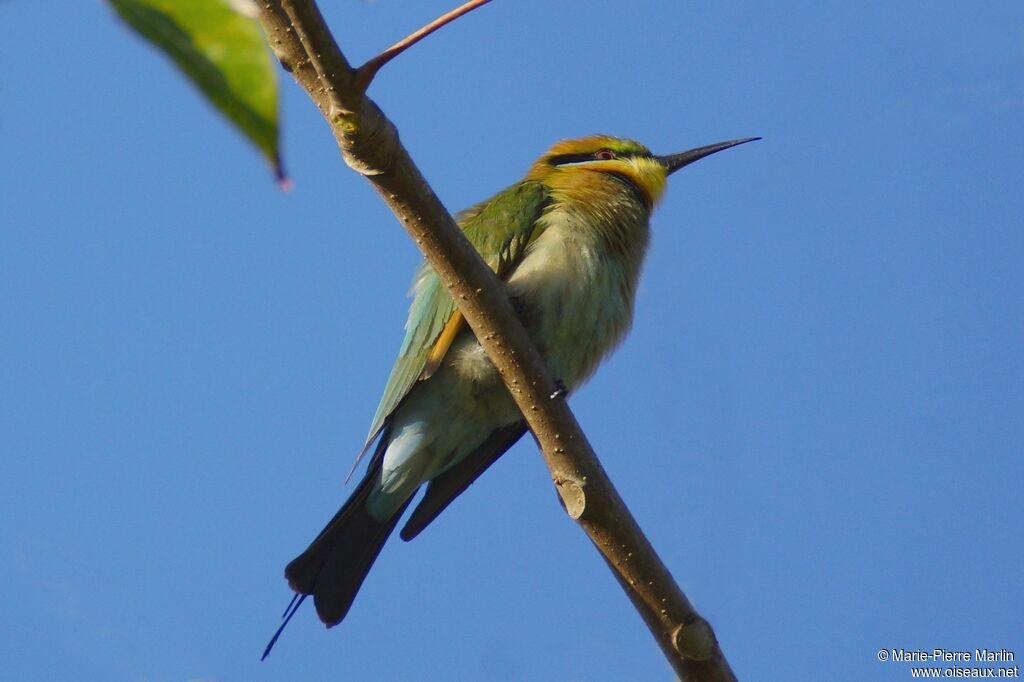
(369, 144)
(290, 52)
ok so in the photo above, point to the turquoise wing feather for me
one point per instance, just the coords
(500, 228)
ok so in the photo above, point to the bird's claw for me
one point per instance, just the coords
(560, 390)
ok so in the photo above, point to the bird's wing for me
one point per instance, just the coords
(450, 484)
(500, 228)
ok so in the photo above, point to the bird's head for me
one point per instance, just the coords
(570, 160)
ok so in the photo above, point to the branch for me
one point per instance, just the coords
(368, 70)
(369, 143)
(290, 51)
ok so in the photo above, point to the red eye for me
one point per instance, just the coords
(604, 154)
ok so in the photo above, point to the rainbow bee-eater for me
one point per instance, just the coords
(568, 241)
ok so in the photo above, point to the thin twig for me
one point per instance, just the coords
(370, 145)
(366, 72)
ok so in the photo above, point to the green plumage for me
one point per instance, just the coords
(499, 228)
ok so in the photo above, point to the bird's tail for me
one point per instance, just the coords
(333, 567)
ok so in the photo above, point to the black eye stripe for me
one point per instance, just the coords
(569, 158)
(588, 156)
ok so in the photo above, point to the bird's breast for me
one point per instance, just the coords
(575, 290)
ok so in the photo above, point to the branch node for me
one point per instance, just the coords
(574, 499)
(345, 122)
(365, 74)
(369, 143)
(695, 640)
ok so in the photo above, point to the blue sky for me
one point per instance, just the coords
(817, 417)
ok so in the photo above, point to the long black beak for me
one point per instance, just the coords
(676, 161)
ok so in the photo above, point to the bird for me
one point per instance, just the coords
(568, 241)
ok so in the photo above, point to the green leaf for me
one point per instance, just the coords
(220, 47)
